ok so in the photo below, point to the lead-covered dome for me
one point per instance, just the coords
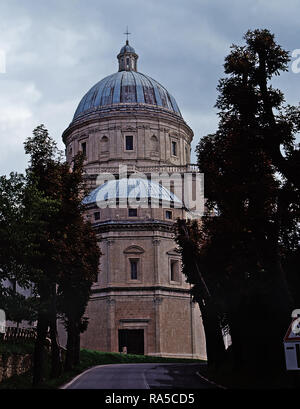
(127, 48)
(128, 86)
(138, 190)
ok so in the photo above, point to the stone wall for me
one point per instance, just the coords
(153, 135)
(15, 364)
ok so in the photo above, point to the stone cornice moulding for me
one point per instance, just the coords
(146, 226)
(141, 289)
(160, 116)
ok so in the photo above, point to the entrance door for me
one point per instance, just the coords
(133, 339)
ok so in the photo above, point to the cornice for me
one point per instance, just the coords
(118, 113)
(140, 225)
(140, 289)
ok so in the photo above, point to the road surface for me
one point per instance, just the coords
(140, 376)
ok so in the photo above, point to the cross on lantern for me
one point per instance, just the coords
(127, 34)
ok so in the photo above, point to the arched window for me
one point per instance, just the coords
(104, 144)
(154, 143)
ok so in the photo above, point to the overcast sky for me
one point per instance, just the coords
(57, 49)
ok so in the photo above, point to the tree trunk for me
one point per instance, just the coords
(77, 347)
(39, 349)
(71, 340)
(215, 348)
(56, 364)
(239, 330)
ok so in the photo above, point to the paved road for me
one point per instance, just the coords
(140, 376)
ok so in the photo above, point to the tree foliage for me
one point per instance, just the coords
(49, 247)
(251, 166)
(65, 259)
(12, 242)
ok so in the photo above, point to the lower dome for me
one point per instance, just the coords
(135, 189)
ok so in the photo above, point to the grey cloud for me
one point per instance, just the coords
(56, 50)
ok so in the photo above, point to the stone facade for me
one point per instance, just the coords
(153, 134)
(140, 301)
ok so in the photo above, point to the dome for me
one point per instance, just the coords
(135, 189)
(126, 87)
(127, 49)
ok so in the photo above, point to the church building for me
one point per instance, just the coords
(140, 302)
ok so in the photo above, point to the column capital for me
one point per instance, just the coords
(156, 242)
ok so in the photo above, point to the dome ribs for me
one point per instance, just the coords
(107, 93)
(126, 87)
(139, 88)
(148, 90)
(128, 93)
(117, 88)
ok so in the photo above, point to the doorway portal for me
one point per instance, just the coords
(133, 339)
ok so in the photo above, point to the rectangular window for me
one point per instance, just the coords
(174, 148)
(129, 143)
(174, 270)
(83, 148)
(97, 215)
(133, 269)
(132, 212)
(168, 214)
